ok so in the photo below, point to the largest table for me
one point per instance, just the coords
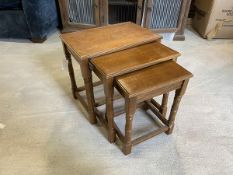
(87, 44)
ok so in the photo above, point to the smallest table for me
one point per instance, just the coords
(109, 66)
(141, 86)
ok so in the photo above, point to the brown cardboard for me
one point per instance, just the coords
(214, 18)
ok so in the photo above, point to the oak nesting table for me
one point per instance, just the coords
(108, 67)
(142, 86)
(130, 60)
(88, 44)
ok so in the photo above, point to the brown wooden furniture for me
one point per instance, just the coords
(109, 66)
(82, 14)
(172, 19)
(87, 44)
(122, 11)
(142, 86)
(74, 19)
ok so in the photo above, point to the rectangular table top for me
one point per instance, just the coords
(152, 78)
(132, 59)
(98, 41)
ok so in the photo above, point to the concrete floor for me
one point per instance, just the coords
(43, 131)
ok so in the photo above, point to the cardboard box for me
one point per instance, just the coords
(214, 18)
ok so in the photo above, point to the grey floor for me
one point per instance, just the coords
(43, 131)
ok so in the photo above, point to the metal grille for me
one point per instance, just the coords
(122, 11)
(81, 11)
(165, 13)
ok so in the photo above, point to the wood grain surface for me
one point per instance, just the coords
(139, 57)
(94, 42)
(152, 78)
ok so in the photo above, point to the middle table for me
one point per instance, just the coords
(109, 66)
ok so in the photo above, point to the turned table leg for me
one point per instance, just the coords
(71, 71)
(109, 93)
(87, 77)
(163, 109)
(178, 95)
(130, 107)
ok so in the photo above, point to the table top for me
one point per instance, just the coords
(98, 41)
(132, 59)
(152, 78)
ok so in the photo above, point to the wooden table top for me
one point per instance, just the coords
(98, 41)
(151, 78)
(132, 59)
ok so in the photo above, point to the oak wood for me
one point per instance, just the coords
(84, 45)
(119, 133)
(63, 12)
(101, 118)
(71, 71)
(179, 36)
(102, 101)
(109, 93)
(118, 63)
(156, 104)
(105, 11)
(157, 113)
(139, 57)
(163, 108)
(87, 77)
(147, 13)
(94, 42)
(104, 121)
(158, 91)
(68, 26)
(100, 10)
(179, 29)
(157, 122)
(97, 12)
(109, 66)
(151, 78)
(130, 107)
(82, 88)
(176, 102)
(144, 84)
(139, 12)
(71, 27)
